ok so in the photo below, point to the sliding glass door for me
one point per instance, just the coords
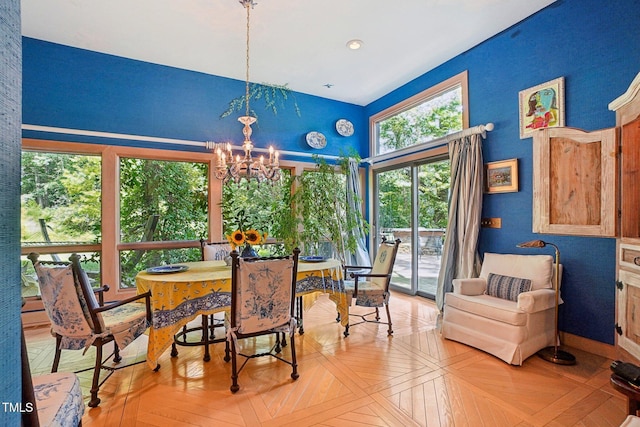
(394, 220)
(411, 205)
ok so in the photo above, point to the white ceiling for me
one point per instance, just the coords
(301, 43)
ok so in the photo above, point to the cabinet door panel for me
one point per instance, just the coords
(630, 171)
(574, 182)
(627, 309)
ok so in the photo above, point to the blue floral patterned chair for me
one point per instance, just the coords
(79, 320)
(262, 302)
(372, 289)
(214, 251)
(51, 399)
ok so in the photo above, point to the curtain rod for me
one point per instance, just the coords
(481, 129)
(110, 135)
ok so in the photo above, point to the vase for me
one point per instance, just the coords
(248, 252)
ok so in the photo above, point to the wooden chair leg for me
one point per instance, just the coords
(56, 357)
(390, 330)
(299, 311)
(227, 351)
(234, 369)
(95, 385)
(116, 353)
(294, 361)
(278, 348)
(205, 337)
(174, 350)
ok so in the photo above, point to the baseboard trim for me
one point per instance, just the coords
(590, 346)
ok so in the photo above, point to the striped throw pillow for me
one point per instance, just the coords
(506, 287)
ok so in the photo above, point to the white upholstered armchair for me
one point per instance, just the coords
(508, 311)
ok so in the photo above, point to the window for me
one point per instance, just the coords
(124, 209)
(160, 200)
(96, 200)
(429, 115)
(411, 179)
(60, 211)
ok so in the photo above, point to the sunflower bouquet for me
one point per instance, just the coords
(245, 235)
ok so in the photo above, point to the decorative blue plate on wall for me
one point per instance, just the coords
(316, 140)
(344, 127)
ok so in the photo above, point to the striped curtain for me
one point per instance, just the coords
(460, 258)
(354, 196)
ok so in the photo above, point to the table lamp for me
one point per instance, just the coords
(552, 354)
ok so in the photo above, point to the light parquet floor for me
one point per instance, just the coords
(414, 378)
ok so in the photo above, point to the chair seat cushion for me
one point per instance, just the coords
(58, 399)
(126, 322)
(499, 309)
(370, 294)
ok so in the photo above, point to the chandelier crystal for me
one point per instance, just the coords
(235, 168)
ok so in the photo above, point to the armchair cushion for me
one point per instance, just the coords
(507, 287)
(498, 309)
(472, 286)
(537, 268)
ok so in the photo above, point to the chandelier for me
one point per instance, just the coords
(235, 168)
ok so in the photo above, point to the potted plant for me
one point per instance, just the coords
(320, 202)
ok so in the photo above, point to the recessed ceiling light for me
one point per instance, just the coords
(355, 44)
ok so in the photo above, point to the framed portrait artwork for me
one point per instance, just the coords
(541, 106)
(501, 177)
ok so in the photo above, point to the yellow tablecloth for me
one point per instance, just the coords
(205, 288)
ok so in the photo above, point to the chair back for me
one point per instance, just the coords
(262, 292)
(63, 300)
(383, 264)
(214, 251)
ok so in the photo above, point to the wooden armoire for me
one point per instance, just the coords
(627, 108)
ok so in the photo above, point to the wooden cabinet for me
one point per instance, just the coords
(574, 182)
(627, 108)
(628, 301)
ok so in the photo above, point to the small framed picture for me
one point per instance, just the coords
(501, 177)
(541, 106)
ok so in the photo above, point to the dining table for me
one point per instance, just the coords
(182, 292)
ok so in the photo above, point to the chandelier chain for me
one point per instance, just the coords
(246, 88)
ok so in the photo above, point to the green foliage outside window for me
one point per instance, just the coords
(433, 119)
(265, 207)
(176, 194)
(64, 190)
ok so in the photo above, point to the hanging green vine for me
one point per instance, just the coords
(274, 96)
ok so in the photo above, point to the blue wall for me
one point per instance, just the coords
(597, 50)
(78, 89)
